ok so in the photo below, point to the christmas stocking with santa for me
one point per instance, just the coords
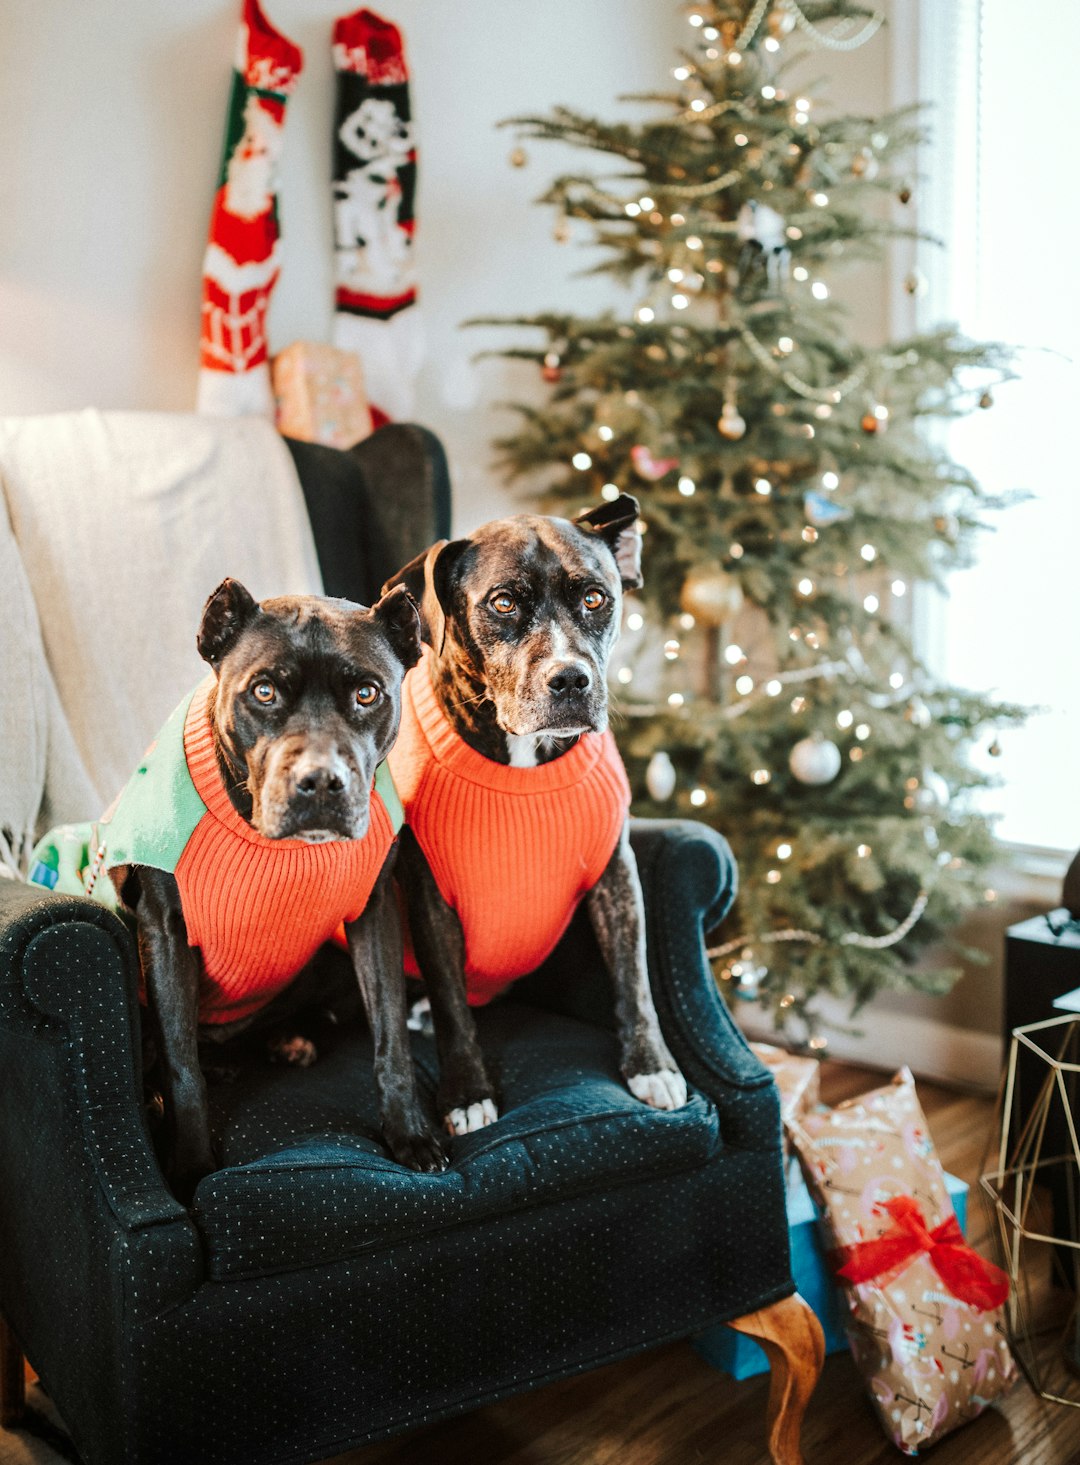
(242, 257)
(374, 189)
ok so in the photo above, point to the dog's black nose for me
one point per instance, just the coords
(569, 676)
(320, 781)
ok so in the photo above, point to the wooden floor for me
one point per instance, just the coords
(669, 1407)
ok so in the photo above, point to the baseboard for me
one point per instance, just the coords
(933, 1050)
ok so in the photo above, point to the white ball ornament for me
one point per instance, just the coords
(932, 796)
(815, 761)
(917, 713)
(660, 777)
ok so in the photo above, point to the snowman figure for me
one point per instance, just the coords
(373, 247)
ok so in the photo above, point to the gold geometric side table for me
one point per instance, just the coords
(1034, 1200)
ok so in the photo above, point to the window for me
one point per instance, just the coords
(998, 184)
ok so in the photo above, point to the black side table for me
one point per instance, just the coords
(1042, 961)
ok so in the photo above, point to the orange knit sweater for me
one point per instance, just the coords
(512, 850)
(258, 908)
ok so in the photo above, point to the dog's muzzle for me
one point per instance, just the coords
(317, 800)
(565, 699)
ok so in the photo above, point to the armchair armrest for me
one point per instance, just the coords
(69, 1051)
(689, 879)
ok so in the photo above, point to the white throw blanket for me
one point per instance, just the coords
(40, 768)
(124, 522)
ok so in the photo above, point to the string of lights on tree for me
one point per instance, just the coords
(791, 496)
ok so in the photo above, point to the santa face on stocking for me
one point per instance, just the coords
(241, 263)
(242, 259)
(250, 177)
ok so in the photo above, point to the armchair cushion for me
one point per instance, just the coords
(307, 1182)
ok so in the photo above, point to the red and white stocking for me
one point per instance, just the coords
(374, 221)
(242, 257)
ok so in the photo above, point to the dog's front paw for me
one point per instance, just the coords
(416, 1146)
(664, 1089)
(294, 1049)
(465, 1119)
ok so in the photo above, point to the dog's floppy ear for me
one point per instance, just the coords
(230, 609)
(617, 525)
(429, 580)
(399, 618)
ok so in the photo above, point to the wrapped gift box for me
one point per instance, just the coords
(320, 395)
(796, 1078)
(740, 1356)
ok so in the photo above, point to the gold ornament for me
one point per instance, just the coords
(994, 749)
(987, 399)
(904, 194)
(864, 164)
(518, 158)
(916, 283)
(711, 595)
(781, 22)
(561, 231)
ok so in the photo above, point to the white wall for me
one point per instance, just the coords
(111, 119)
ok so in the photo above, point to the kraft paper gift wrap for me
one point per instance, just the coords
(320, 395)
(796, 1078)
(924, 1311)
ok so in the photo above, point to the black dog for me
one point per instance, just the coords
(521, 617)
(275, 755)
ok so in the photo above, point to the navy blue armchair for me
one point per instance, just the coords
(317, 1295)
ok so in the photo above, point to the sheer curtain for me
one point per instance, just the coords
(998, 183)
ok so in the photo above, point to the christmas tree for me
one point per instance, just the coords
(793, 493)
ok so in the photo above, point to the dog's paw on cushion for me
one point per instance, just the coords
(293, 1049)
(665, 1089)
(473, 1116)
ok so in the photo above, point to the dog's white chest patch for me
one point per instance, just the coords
(522, 749)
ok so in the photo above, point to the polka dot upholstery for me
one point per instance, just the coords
(317, 1295)
(306, 1180)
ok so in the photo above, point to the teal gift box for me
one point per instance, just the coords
(740, 1356)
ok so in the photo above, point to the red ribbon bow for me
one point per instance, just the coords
(968, 1276)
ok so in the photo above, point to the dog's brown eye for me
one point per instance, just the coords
(367, 695)
(504, 603)
(593, 599)
(264, 692)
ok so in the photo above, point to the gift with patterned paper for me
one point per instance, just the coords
(796, 1079)
(923, 1309)
(320, 395)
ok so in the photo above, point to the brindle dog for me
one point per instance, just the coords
(305, 705)
(521, 617)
